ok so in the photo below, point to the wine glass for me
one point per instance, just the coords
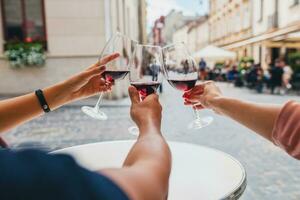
(146, 72)
(115, 70)
(181, 72)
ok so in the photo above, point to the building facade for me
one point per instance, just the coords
(173, 21)
(276, 30)
(181, 34)
(157, 38)
(262, 29)
(198, 34)
(74, 32)
(165, 27)
(143, 21)
(194, 33)
(230, 22)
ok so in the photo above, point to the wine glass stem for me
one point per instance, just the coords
(197, 113)
(97, 106)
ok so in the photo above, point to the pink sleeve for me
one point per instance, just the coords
(286, 132)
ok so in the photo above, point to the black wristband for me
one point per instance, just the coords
(40, 95)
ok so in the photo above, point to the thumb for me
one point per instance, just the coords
(134, 95)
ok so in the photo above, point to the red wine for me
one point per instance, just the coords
(111, 76)
(184, 84)
(146, 89)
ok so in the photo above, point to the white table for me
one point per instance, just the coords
(197, 172)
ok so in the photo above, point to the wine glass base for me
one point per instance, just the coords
(96, 114)
(201, 123)
(134, 130)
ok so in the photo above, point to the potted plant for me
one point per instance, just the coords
(25, 54)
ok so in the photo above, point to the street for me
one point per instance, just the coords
(271, 173)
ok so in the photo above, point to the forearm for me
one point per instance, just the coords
(16, 111)
(146, 170)
(259, 118)
(150, 147)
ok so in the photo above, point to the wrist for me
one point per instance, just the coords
(216, 103)
(149, 126)
(57, 96)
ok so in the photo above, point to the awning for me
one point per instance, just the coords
(213, 53)
(265, 36)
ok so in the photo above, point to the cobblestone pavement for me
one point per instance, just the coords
(271, 173)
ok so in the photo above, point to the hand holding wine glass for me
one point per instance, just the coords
(90, 82)
(146, 72)
(146, 114)
(115, 69)
(146, 69)
(182, 74)
(204, 95)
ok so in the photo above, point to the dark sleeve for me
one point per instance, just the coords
(35, 175)
(2, 143)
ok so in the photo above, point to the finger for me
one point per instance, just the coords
(191, 102)
(97, 80)
(194, 98)
(108, 58)
(94, 72)
(198, 107)
(195, 105)
(134, 95)
(199, 89)
(104, 61)
(104, 89)
(108, 84)
(153, 97)
(187, 102)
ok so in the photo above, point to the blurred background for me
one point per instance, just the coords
(237, 43)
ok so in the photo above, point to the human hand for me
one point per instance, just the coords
(90, 81)
(146, 113)
(203, 95)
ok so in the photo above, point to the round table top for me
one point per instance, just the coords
(197, 172)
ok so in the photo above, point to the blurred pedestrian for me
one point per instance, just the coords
(251, 76)
(232, 74)
(202, 69)
(276, 77)
(287, 76)
(155, 68)
(259, 78)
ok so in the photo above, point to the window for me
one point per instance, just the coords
(23, 20)
(261, 13)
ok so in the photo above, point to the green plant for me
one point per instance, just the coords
(219, 65)
(294, 61)
(25, 54)
(247, 59)
(245, 62)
